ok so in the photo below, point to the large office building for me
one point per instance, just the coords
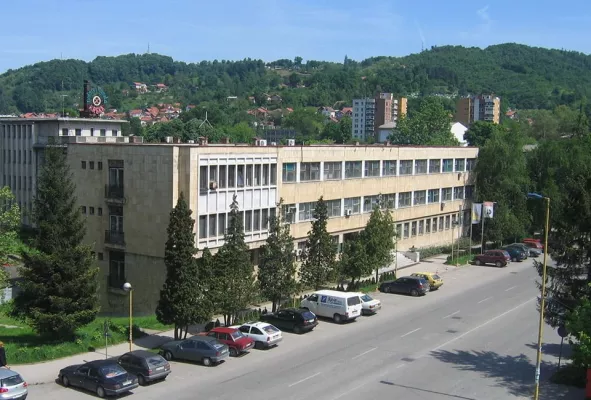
(22, 138)
(478, 108)
(128, 199)
(372, 114)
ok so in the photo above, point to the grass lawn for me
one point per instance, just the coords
(461, 260)
(24, 346)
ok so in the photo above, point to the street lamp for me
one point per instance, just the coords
(537, 196)
(128, 288)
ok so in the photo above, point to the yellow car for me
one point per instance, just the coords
(435, 281)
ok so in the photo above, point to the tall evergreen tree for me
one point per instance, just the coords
(181, 292)
(379, 237)
(59, 290)
(354, 262)
(235, 284)
(319, 256)
(277, 264)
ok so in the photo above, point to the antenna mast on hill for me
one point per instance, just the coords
(205, 121)
(148, 47)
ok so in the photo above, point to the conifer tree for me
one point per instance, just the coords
(379, 238)
(319, 256)
(181, 292)
(59, 288)
(277, 264)
(235, 284)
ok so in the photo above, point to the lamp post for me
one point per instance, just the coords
(543, 299)
(128, 288)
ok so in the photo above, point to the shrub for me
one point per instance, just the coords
(570, 375)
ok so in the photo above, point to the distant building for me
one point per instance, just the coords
(272, 135)
(458, 130)
(384, 131)
(478, 108)
(370, 114)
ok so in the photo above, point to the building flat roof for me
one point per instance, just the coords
(60, 119)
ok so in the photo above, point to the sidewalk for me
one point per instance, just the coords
(46, 372)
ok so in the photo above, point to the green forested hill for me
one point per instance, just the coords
(525, 77)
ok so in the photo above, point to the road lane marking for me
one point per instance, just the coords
(408, 333)
(483, 300)
(484, 324)
(305, 379)
(451, 315)
(511, 288)
(401, 365)
(364, 353)
(349, 391)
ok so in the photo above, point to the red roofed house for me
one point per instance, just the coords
(140, 87)
(135, 114)
(160, 87)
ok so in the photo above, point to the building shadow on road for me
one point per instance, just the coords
(514, 373)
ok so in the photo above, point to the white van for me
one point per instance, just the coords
(340, 306)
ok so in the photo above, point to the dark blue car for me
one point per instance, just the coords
(516, 253)
(103, 377)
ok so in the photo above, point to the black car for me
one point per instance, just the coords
(516, 253)
(413, 285)
(298, 320)
(103, 377)
(147, 366)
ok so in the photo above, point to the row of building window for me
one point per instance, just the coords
(18, 183)
(233, 176)
(214, 225)
(365, 204)
(18, 156)
(91, 210)
(315, 171)
(16, 130)
(99, 165)
(426, 226)
(78, 132)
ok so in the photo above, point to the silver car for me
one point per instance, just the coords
(12, 385)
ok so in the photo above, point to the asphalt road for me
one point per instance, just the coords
(472, 339)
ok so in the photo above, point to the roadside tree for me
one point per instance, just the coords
(354, 263)
(379, 237)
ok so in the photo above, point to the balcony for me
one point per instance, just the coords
(115, 239)
(114, 193)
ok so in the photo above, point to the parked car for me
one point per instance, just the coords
(236, 341)
(12, 385)
(264, 334)
(146, 365)
(340, 306)
(103, 377)
(412, 285)
(516, 253)
(204, 349)
(298, 320)
(369, 305)
(435, 281)
(495, 257)
(531, 243)
(531, 252)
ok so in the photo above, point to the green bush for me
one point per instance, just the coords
(428, 252)
(570, 375)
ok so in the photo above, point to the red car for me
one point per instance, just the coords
(233, 338)
(534, 243)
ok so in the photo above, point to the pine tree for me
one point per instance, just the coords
(379, 238)
(235, 286)
(354, 262)
(181, 292)
(59, 290)
(319, 256)
(277, 264)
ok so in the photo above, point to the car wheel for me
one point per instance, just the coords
(141, 380)
(168, 356)
(100, 392)
(337, 318)
(478, 262)
(65, 381)
(414, 292)
(297, 330)
(499, 264)
(206, 361)
(233, 352)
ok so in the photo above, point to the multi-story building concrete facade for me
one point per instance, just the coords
(21, 139)
(127, 202)
(370, 115)
(478, 108)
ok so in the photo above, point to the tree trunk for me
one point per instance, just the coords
(275, 303)
(186, 331)
(176, 332)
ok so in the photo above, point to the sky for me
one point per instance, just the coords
(194, 30)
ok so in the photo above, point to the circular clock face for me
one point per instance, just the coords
(97, 101)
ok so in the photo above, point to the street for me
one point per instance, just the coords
(473, 339)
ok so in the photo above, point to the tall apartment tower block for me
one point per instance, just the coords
(371, 113)
(486, 107)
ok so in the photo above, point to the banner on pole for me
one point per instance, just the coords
(488, 208)
(476, 213)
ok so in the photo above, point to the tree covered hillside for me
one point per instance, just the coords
(525, 77)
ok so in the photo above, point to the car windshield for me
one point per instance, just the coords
(308, 315)
(218, 346)
(156, 361)
(111, 371)
(366, 297)
(237, 335)
(11, 381)
(270, 329)
(436, 277)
